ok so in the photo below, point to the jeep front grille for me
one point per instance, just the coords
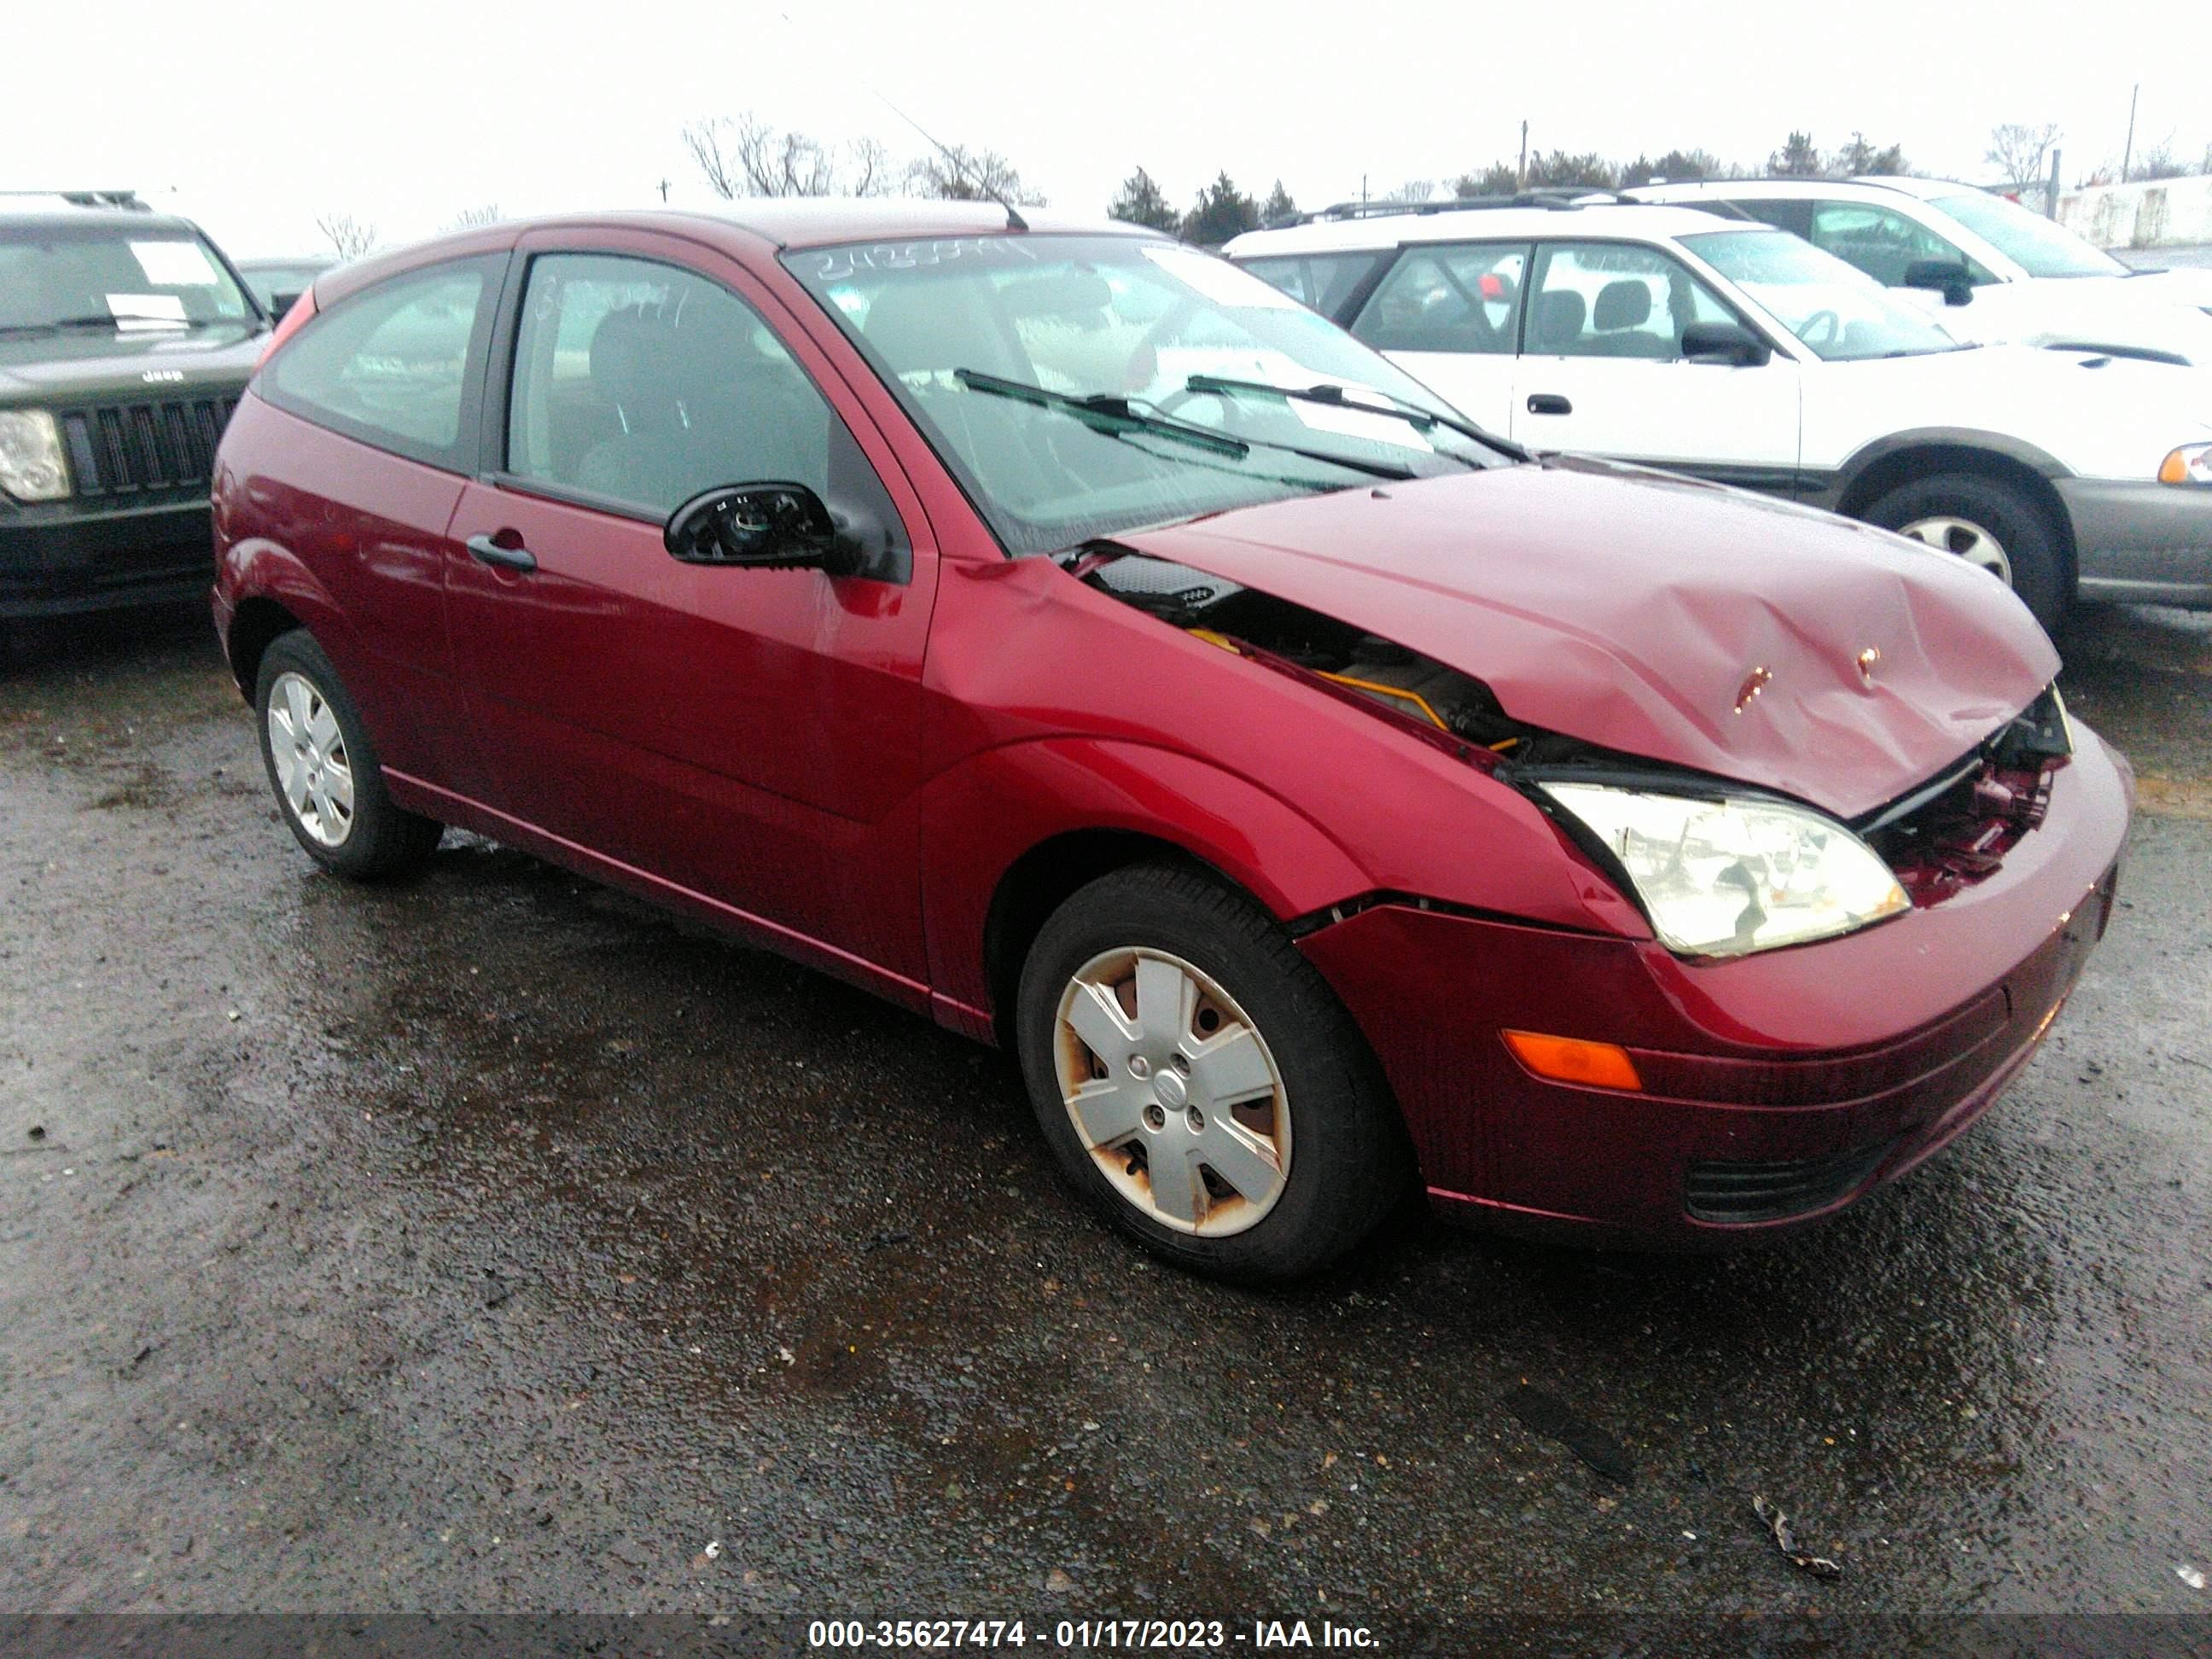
(134, 449)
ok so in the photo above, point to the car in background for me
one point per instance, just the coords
(1999, 272)
(1069, 637)
(1736, 352)
(277, 283)
(125, 340)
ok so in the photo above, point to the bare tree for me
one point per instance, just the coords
(704, 140)
(869, 169)
(2159, 161)
(1414, 190)
(349, 238)
(960, 174)
(485, 213)
(744, 156)
(2022, 153)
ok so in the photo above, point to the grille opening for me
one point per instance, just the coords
(1727, 1191)
(131, 449)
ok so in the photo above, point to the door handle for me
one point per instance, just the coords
(488, 551)
(1549, 403)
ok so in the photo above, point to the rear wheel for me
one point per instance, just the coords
(1199, 1080)
(323, 768)
(1991, 525)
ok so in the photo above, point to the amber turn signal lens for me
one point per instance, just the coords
(2191, 464)
(1570, 1059)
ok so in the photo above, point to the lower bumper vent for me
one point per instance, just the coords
(1730, 1191)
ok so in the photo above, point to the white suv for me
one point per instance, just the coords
(1998, 271)
(1739, 353)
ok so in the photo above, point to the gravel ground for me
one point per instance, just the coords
(493, 1243)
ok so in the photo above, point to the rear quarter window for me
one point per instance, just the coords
(397, 365)
(1322, 281)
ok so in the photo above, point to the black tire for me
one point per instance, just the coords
(2021, 526)
(1349, 1159)
(382, 839)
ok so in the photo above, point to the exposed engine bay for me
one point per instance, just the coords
(1417, 688)
(1956, 829)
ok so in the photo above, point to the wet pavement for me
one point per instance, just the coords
(493, 1242)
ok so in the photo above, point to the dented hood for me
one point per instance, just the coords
(1661, 617)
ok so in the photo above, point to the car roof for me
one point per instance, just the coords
(1926, 190)
(820, 221)
(116, 209)
(783, 222)
(1634, 222)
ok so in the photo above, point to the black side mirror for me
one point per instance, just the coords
(1724, 343)
(281, 302)
(1947, 278)
(765, 526)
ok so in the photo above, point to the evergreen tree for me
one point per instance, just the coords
(1797, 159)
(1222, 211)
(1144, 202)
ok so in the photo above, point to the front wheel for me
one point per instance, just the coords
(1991, 525)
(1199, 1082)
(323, 768)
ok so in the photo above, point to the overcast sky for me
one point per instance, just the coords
(405, 112)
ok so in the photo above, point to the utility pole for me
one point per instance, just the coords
(1521, 179)
(664, 190)
(2128, 154)
(1363, 192)
(2051, 202)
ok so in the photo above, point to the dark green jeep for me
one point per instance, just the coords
(126, 338)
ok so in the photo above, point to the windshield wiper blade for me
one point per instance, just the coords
(1339, 397)
(1103, 411)
(60, 324)
(1108, 412)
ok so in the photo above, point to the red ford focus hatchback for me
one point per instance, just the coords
(1065, 636)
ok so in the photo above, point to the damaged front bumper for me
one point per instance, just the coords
(1776, 1088)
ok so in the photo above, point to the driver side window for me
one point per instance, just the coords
(1615, 300)
(1883, 242)
(642, 383)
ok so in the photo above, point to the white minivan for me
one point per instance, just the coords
(1999, 272)
(1739, 353)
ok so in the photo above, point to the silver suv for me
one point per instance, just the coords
(1995, 270)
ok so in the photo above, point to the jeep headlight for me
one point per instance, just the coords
(31, 464)
(1725, 877)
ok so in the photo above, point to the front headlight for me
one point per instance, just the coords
(31, 464)
(2190, 464)
(1724, 878)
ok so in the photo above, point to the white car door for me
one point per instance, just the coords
(1448, 313)
(1602, 371)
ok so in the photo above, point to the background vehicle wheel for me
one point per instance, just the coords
(324, 767)
(1200, 1081)
(1990, 524)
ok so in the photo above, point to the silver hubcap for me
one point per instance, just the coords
(313, 773)
(1967, 539)
(1173, 1090)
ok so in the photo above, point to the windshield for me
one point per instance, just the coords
(1841, 313)
(2039, 246)
(67, 275)
(267, 282)
(1106, 333)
